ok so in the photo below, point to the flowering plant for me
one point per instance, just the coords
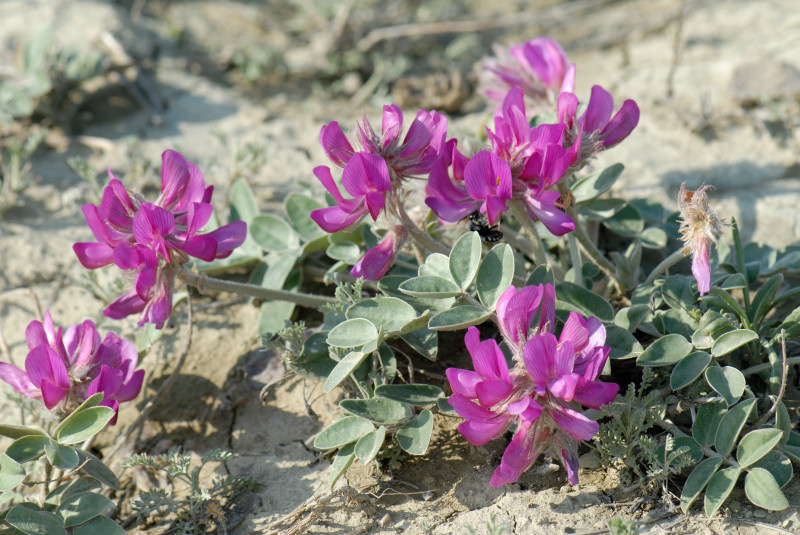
(574, 288)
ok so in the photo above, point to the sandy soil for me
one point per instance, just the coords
(718, 85)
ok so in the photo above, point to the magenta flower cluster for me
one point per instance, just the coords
(540, 397)
(64, 368)
(149, 240)
(524, 164)
(374, 173)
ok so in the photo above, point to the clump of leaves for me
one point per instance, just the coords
(197, 509)
(625, 439)
(15, 168)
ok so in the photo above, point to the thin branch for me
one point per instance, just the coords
(781, 390)
(664, 265)
(204, 282)
(306, 513)
(539, 255)
(148, 408)
(541, 17)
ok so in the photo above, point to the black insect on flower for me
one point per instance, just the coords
(479, 224)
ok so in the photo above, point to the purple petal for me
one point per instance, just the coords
(42, 363)
(567, 108)
(96, 224)
(481, 432)
(174, 177)
(523, 449)
(469, 410)
(52, 393)
(199, 214)
(365, 173)
(323, 174)
(563, 386)
(86, 345)
(574, 423)
(203, 247)
(126, 256)
(93, 255)
(462, 382)
(595, 394)
(108, 381)
(117, 208)
(622, 124)
(131, 388)
(35, 335)
(487, 358)
(544, 209)
(124, 306)
(391, 125)
(492, 391)
(229, 237)
(333, 218)
(19, 380)
(575, 331)
(700, 266)
(598, 112)
(569, 457)
(335, 144)
(537, 359)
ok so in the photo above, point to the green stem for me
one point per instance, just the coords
(575, 256)
(519, 212)
(665, 264)
(590, 249)
(419, 235)
(204, 282)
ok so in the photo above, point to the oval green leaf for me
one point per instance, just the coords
(27, 448)
(343, 431)
(731, 425)
(719, 488)
(83, 424)
(705, 426)
(622, 343)
(62, 457)
(458, 318)
(778, 465)
(387, 313)
(756, 444)
(298, 210)
(731, 341)
(436, 265)
(415, 436)
(82, 507)
(597, 183)
(342, 462)
(762, 489)
(465, 258)
(272, 233)
(378, 410)
(727, 381)
(430, 287)
(687, 370)
(495, 274)
(445, 408)
(346, 251)
(352, 333)
(413, 394)
(242, 201)
(11, 473)
(369, 445)
(667, 350)
(630, 317)
(344, 368)
(695, 450)
(705, 336)
(626, 222)
(17, 431)
(100, 525)
(33, 522)
(653, 238)
(698, 480)
(586, 301)
(95, 468)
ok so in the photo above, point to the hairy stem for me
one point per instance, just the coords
(420, 236)
(591, 250)
(204, 282)
(519, 212)
(665, 264)
(577, 263)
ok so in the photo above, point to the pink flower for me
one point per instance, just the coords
(144, 238)
(542, 393)
(447, 197)
(366, 178)
(378, 260)
(63, 370)
(596, 129)
(415, 155)
(488, 179)
(539, 67)
(699, 226)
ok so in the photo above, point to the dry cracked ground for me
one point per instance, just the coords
(242, 88)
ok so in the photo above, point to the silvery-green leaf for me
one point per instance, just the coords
(762, 489)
